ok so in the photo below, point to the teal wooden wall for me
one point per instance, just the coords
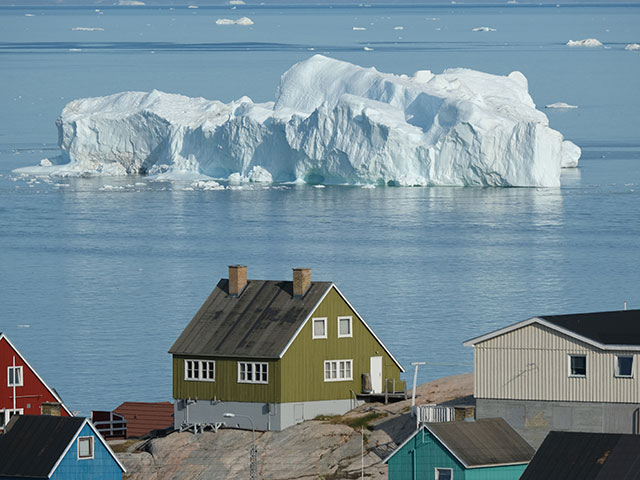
(101, 467)
(430, 454)
(509, 472)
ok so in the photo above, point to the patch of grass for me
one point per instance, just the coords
(362, 421)
(124, 446)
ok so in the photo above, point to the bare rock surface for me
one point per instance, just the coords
(334, 447)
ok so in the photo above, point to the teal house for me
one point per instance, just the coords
(58, 448)
(487, 449)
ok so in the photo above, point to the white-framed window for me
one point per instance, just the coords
(85, 448)
(344, 327)
(624, 366)
(577, 365)
(319, 327)
(338, 370)
(6, 414)
(253, 372)
(14, 376)
(444, 474)
(202, 370)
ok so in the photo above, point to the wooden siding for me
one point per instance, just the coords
(226, 387)
(419, 457)
(532, 363)
(303, 363)
(506, 472)
(102, 466)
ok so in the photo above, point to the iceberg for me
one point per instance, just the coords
(633, 47)
(241, 21)
(587, 42)
(483, 29)
(560, 105)
(332, 122)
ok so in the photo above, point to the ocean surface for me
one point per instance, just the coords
(98, 276)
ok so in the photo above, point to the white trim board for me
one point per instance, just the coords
(51, 390)
(540, 321)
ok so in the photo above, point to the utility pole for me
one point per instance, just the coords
(415, 381)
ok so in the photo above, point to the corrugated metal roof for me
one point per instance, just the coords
(488, 441)
(144, 417)
(620, 327)
(257, 324)
(32, 444)
(586, 456)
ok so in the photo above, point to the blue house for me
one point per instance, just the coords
(487, 449)
(61, 448)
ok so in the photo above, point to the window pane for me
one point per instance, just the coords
(443, 474)
(334, 369)
(579, 365)
(348, 369)
(345, 327)
(625, 366)
(327, 370)
(10, 376)
(243, 374)
(319, 328)
(249, 372)
(84, 447)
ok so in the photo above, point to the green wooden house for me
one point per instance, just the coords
(277, 352)
(487, 449)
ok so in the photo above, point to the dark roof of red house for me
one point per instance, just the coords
(144, 417)
(586, 456)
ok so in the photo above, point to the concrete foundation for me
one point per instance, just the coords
(534, 419)
(265, 416)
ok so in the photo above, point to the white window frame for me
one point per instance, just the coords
(19, 369)
(350, 334)
(91, 446)
(313, 325)
(586, 365)
(437, 472)
(617, 366)
(257, 369)
(339, 370)
(6, 415)
(198, 373)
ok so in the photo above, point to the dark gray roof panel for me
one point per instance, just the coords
(620, 327)
(586, 456)
(257, 324)
(33, 444)
(488, 441)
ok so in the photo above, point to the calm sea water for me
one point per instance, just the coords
(99, 276)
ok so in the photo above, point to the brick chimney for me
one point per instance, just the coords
(237, 279)
(51, 408)
(301, 281)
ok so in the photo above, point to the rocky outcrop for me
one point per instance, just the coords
(335, 447)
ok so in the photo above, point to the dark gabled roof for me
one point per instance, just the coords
(620, 327)
(257, 324)
(488, 441)
(586, 456)
(32, 444)
(614, 330)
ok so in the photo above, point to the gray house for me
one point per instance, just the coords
(562, 372)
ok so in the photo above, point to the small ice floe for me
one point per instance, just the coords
(560, 105)
(433, 19)
(111, 188)
(192, 6)
(311, 49)
(359, 29)
(633, 47)
(23, 325)
(368, 49)
(206, 185)
(130, 3)
(29, 15)
(236, 2)
(398, 28)
(245, 21)
(369, 186)
(88, 29)
(45, 162)
(483, 29)
(587, 42)
(75, 49)
(318, 186)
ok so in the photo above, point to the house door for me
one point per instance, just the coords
(376, 374)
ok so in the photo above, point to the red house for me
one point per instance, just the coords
(22, 390)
